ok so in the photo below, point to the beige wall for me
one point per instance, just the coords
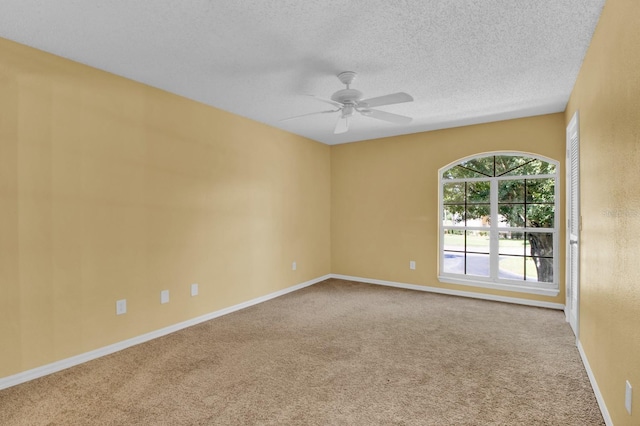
(110, 189)
(607, 95)
(384, 197)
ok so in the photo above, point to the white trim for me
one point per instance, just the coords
(494, 281)
(45, 370)
(472, 295)
(54, 367)
(594, 385)
(517, 286)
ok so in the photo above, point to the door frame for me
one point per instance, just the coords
(573, 131)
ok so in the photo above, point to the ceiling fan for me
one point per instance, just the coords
(348, 101)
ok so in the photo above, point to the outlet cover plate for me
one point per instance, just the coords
(164, 296)
(412, 264)
(194, 289)
(121, 306)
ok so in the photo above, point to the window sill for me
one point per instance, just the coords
(520, 288)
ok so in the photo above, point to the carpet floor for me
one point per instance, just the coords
(335, 353)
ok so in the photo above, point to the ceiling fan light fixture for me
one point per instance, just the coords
(347, 111)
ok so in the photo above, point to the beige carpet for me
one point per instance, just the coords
(336, 353)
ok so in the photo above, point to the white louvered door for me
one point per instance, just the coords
(573, 224)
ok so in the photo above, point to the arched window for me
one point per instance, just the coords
(498, 226)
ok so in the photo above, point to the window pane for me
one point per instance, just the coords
(453, 215)
(540, 244)
(511, 243)
(506, 163)
(478, 242)
(511, 268)
(544, 168)
(511, 191)
(540, 190)
(453, 193)
(540, 247)
(458, 172)
(511, 215)
(514, 267)
(543, 267)
(532, 167)
(478, 264)
(453, 240)
(540, 215)
(478, 192)
(483, 166)
(453, 263)
(478, 215)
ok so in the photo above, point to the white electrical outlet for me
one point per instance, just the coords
(121, 307)
(294, 266)
(164, 296)
(194, 289)
(412, 264)
(627, 397)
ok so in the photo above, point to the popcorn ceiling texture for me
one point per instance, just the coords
(464, 62)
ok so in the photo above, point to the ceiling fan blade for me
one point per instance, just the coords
(387, 116)
(342, 125)
(311, 113)
(329, 101)
(394, 98)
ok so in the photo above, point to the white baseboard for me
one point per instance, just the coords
(54, 367)
(470, 294)
(594, 385)
(44, 370)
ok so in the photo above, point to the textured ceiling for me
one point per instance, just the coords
(463, 61)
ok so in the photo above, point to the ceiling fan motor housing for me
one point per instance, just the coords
(347, 96)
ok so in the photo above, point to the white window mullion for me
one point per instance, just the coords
(494, 241)
(441, 224)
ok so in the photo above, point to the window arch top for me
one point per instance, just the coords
(499, 165)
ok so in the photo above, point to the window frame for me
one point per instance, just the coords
(493, 281)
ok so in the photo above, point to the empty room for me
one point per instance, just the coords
(319, 213)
